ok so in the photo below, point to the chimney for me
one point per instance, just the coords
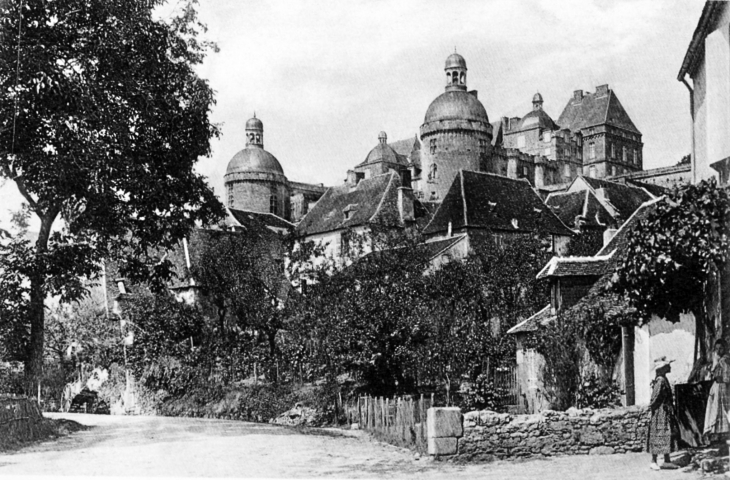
(602, 90)
(608, 234)
(578, 95)
(405, 205)
(505, 123)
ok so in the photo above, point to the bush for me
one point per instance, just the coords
(595, 393)
(480, 395)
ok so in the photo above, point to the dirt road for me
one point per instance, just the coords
(183, 447)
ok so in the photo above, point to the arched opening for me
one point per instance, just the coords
(462, 78)
(455, 78)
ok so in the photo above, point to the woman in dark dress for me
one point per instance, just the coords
(662, 436)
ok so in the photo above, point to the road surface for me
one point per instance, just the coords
(184, 447)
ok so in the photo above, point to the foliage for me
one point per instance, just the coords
(559, 342)
(102, 120)
(479, 395)
(593, 392)
(586, 244)
(672, 252)
(398, 324)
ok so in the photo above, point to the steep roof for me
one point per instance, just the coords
(373, 200)
(248, 219)
(485, 200)
(404, 147)
(569, 205)
(625, 198)
(601, 107)
(534, 322)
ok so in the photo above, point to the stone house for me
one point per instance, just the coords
(480, 203)
(597, 204)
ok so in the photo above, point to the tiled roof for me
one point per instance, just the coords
(596, 109)
(436, 247)
(567, 205)
(484, 200)
(404, 147)
(534, 322)
(374, 200)
(575, 267)
(625, 198)
(248, 219)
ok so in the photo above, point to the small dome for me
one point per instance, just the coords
(455, 61)
(538, 118)
(254, 124)
(384, 153)
(254, 159)
(456, 105)
(537, 98)
(382, 137)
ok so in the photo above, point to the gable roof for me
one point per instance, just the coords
(533, 323)
(249, 219)
(485, 200)
(405, 147)
(624, 198)
(569, 205)
(599, 108)
(373, 200)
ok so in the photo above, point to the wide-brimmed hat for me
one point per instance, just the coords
(661, 362)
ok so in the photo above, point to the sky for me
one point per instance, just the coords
(325, 76)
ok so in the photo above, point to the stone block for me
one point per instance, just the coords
(444, 422)
(592, 437)
(601, 451)
(442, 446)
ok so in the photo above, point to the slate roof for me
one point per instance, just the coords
(625, 198)
(575, 267)
(534, 322)
(404, 147)
(485, 200)
(439, 246)
(374, 200)
(568, 205)
(248, 219)
(596, 109)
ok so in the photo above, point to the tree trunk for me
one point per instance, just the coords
(36, 311)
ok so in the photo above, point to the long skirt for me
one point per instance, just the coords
(718, 403)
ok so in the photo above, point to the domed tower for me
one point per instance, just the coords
(455, 134)
(254, 178)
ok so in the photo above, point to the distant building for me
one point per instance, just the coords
(255, 181)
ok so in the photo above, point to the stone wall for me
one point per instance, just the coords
(488, 436)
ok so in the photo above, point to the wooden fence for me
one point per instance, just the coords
(400, 421)
(21, 420)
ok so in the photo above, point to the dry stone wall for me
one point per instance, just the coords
(488, 436)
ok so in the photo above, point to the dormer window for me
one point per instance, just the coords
(348, 211)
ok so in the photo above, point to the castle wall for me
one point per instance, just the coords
(441, 161)
(255, 195)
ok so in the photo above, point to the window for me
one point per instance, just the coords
(521, 141)
(433, 172)
(623, 154)
(636, 156)
(463, 78)
(566, 171)
(613, 170)
(525, 172)
(592, 172)
(613, 151)
(230, 195)
(274, 204)
(592, 150)
(432, 145)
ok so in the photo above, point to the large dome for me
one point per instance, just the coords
(537, 118)
(456, 105)
(254, 159)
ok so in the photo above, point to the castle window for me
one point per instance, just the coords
(433, 172)
(613, 151)
(274, 204)
(592, 150)
(432, 145)
(623, 154)
(455, 78)
(636, 156)
(525, 172)
(613, 170)
(462, 78)
(258, 138)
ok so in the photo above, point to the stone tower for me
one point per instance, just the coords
(455, 134)
(254, 178)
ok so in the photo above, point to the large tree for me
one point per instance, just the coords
(102, 119)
